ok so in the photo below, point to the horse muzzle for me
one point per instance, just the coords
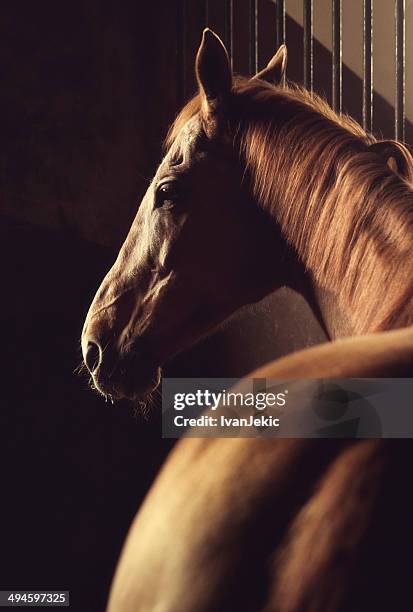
(120, 372)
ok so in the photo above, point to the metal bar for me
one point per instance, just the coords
(279, 22)
(308, 43)
(229, 28)
(181, 50)
(399, 115)
(368, 65)
(206, 13)
(253, 46)
(337, 67)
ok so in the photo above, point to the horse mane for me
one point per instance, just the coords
(292, 90)
(338, 203)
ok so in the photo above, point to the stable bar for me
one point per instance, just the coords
(337, 63)
(399, 115)
(279, 22)
(181, 50)
(308, 43)
(368, 65)
(206, 13)
(229, 28)
(253, 32)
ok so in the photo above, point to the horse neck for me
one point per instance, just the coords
(349, 219)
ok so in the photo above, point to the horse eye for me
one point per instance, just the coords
(166, 195)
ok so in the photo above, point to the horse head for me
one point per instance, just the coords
(198, 249)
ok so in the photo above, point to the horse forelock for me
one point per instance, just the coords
(189, 111)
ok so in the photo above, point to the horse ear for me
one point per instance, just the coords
(275, 70)
(213, 71)
(396, 155)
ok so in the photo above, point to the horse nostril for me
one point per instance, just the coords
(93, 356)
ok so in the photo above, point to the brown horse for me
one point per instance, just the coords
(293, 525)
(262, 186)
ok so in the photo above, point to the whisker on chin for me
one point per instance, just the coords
(79, 369)
(143, 408)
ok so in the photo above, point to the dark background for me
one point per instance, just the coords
(88, 90)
